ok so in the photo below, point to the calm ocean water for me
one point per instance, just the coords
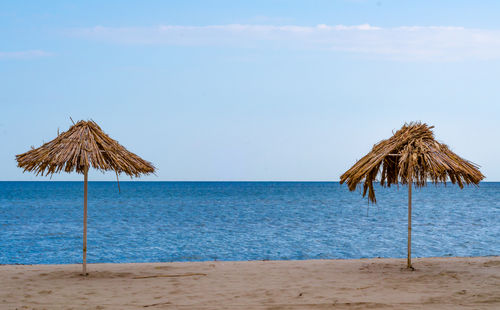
(41, 222)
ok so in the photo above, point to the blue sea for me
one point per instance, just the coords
(41, 222)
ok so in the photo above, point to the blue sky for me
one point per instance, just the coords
(250, 90)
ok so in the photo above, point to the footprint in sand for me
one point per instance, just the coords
(492, 263)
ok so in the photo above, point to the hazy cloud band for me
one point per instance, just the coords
(424, 43)
(24, 54)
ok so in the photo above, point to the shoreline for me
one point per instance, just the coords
(261, 260)
(381, 283)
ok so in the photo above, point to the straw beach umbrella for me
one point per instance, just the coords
(410, 156)
(83, 146)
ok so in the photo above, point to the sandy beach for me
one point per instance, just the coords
(437, 283)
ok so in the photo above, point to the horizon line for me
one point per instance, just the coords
(214, 181)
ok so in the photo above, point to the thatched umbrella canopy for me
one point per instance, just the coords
(83, 146)
(410, 156)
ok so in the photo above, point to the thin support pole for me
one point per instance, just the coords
(85, 190)
(409, 266)
(117, 181)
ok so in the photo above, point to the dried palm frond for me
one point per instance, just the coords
(410, 155)
(83, 146)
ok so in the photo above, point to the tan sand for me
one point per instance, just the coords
(437, 283)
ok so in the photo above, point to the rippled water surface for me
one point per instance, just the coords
(41, 222)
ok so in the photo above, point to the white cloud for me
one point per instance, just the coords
(405, 43)
(24, 54)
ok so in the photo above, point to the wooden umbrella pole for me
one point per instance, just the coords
(409, 226)
(85, 185)
(117, 181)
